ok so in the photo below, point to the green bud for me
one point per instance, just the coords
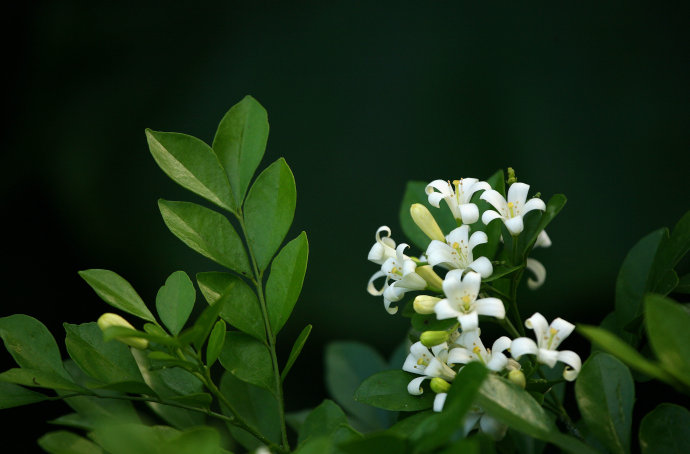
(109, 319)
(439, 385)
(433, 338)
(517, 377)
(424, 304)
(511, 176)
(426, 222)
(432, 279)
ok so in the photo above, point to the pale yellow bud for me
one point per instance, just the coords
(109, 319)
(432, 279)
(517, 377)
(433, 338)
(439, 385)
(424, 304)
(426, 222)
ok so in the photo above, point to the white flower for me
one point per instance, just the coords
(439, 402)
(543, 240)
(472, 349)
(384, 248)
(539, 272)
(548, 339)
(457, 197)
(427, 363)
(461, 300)
(512, 210)
(456, 251)
(487, 424)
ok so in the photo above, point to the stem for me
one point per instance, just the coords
(515, 279)
(508, 326)
(258, 283)
(561, 412)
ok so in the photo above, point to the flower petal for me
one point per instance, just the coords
(476, 186)
(523, 346)
(439, 401)
(515, 225)
(490, 215)
(533, 204)
(453, 286)
(439, 252)
(469, 213)
(371, 288)
(482, 266)
(458, 235)
(411, 281)
(538, 323)
(563, 329)
(518, 193)
(573, 364)
(496, 200)
(543, 240)
(539, 272)
(444, 310)
(415, 386)
(491, 306)
(497, 362)
(411, 365)
(492, 426)
(471, 418)
(501, 344)
(548, 357)
(468, 321)
(459, 355)
(470, 284)
(478, 238)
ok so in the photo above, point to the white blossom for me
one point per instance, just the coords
(511, 211)
(427, 363)
(457, 196)
(472, 349)
(456, 251)
(461, 300)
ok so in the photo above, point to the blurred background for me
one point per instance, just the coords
(589, 100)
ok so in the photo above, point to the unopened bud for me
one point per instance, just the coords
(424, 304)
(109, 319)
(439, 385)
(433, 338)
(517, 377)
(426, 222)
(432, 279)
(511, 176)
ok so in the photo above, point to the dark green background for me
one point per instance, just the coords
(590, 100)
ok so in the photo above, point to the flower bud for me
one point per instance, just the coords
(424, 304)
(511, 176)
(109, 319)
(432, 279)
(517, 377)
(433, 338)
(439, 385)
(426, 222)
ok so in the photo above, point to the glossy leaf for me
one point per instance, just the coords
(673, 247)
(39, 379)
(175, 301)
(241, 308)
(375, 443)
(31, 344)
(12, 395)
(668, 328)
(631, 284)
(248, 359)
(285, 281)
(415, 193)
(268, 211)
(240, 143)
(322, 421)
(64, 442)
(605, 394)
(436, 430)
(614, 345)
(348, 364)
(429, 322)
(258, 407)
(388, 390)
(215, 343)
(207, 320)
(530, 234)
(683, 285)
(107, 362)
(193, 165)
(665, 430)
(296, 350)
(116, 291)
(207, 232)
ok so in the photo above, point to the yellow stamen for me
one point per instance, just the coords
(476, 350)
(553, 331)
(510, 208)
(466, 299)
(456, 245)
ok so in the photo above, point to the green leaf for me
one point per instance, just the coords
(668, 328)
(241, 308)
(215, 343)
(285, 281)
(240, 143)
(107, 362)
(529, 236)
(248, 359)
(121, 332)
(429, 322)
(175, 301)
(12, 395)
(258, 407)
(322, 421)
(501, 271)
(207, 321)
(415, 193)
(683, 285)
(406, 426)
(347, 365)
(268, 211)
(193, 165)
(117, 292)
(665, 430)
(605, 394)
(436, 430)
(296, 350)
(207, 232)
(388, 390)
(64, 442)
(31, 344)
(197, 440)
(376, 443)
(134, 438)
(662, 278)
(318, 445)
(614, 345)
(39, 378)
(631, 284)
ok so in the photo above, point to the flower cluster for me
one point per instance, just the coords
(454, 282)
